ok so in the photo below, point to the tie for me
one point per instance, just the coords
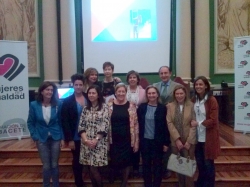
(164, 89)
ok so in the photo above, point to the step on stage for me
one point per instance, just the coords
(20, 164)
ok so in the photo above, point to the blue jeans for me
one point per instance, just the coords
(49, 153)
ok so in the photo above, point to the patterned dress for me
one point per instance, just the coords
(94, 122)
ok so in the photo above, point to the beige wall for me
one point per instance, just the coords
(50, 41)
(183, 34)
(202, 38)
(182, 45)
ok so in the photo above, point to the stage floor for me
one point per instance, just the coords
(20, 164)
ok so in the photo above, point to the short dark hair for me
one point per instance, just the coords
(132, 72)
(169, 69)
(54, 99)
(206, 82)
(77, 76)
(106, 64)
(100, 99)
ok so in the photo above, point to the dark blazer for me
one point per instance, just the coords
(162, 136)
(38, 128)
(69, 116)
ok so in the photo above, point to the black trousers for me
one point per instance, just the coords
(151, 156)
(76, 166)
(136, 160)
(206, 167)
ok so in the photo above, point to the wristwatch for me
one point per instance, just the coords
(97, 138)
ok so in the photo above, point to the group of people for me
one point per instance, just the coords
(111, 123)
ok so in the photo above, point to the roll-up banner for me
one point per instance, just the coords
(242, 84)
(14, 90)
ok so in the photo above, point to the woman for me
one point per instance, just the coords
(91, 77)
(154, 136)
(93, 129)
(45, 129)
(124, 139)
(207, 124)
(136, 95)
(183, 136)
(108, 84)
(70, 115)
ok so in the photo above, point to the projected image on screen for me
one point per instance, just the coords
(140, 24)
(119, 20)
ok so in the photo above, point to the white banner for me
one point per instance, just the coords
(242, 83)
(14, 90)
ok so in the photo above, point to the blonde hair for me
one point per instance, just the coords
(178, 87)
(88, 72)
(119, 85)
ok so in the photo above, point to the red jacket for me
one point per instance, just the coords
(212, 144)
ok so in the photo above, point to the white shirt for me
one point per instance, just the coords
(46, 113)
(181, 108)
(200, 113)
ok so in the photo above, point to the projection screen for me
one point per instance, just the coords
(132, 34)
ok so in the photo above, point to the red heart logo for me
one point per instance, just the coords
(7, 64)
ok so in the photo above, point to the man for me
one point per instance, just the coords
(166, 85)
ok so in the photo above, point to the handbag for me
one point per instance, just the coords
(182, 165)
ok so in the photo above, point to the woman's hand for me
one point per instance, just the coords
(178, 144)
(63, 144)
(71, 145)
(187, 146)
(117, 79)
(194, 123)
(87, 143)
(93, 143)
(111, 100)
(135, 148)
(165, 148)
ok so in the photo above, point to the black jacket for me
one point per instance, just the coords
(69, 117)
(162, 136)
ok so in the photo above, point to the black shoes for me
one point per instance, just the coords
(111, 176)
